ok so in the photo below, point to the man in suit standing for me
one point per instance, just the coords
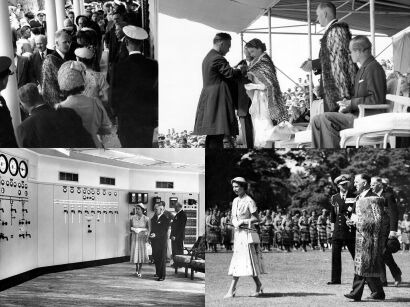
(178, 231)
(215, 115)
(342, 205)
(23, 68)
(7, 137)
(390, 224)
(158, 235)
(362, 185)
(38, 58)
(134, 93)
(370, 89)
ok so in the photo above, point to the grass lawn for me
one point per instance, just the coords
(299, 279)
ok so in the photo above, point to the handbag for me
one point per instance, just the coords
(253, 237)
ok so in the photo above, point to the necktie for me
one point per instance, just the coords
(42, 55)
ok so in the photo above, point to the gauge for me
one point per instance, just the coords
(13, 167)
(23, 170)
(3, 164)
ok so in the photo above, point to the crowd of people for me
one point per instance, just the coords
(157, 239)
(366, 222)
(88, 69)
(183, 139)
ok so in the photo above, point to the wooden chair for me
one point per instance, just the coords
(194, 259)
(379, 129)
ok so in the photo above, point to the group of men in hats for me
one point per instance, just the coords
(347, 218)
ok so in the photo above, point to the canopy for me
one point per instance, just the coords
(391, 16)
(226, 15)
(401, 56)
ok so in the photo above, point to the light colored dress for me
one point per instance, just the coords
(139, 253)
(247, 258)
(95, 84)
(405, 231)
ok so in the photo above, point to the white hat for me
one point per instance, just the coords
(118, 2)
(42, 12)
(135, 32)
(84, 53)
(141, 205)
(238, 179)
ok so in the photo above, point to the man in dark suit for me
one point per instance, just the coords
(134, 93)
(122, 46)
(370, 89)
(23, 69)
(7, 137)
(178, 231)
(46, 127)
(38, 58)
(362, 185)
(342, 234)
(215, 115)
(390, 224)
(158, 235)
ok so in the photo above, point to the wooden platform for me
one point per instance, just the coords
(110, 285)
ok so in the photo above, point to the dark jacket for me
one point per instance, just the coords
(37, 65)
(7, 137)
(24, 74)
(338, 215)
(178, 226)
(215, 114)
(48, 128)
(160, 227)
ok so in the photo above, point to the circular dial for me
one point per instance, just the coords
(3, 164)
(13, 167)
(23, 169)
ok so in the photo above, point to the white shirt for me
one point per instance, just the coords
(343, 195)
(329, 24)
(135, 52)
(60, 53)
(380, 192)
(363, 193)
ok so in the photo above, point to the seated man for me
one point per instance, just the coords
(370, 89)
(46, 127)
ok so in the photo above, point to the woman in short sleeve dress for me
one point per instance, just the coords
(246, 258)
(140, 228)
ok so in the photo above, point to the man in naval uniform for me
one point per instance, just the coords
(342, 206)
(7, 137)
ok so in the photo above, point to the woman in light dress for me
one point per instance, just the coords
(140, 228)
(405, 232)
(247, 257)
(268, 109)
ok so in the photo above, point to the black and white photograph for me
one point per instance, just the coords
(94, 227)
(78, 74)
(284, 73)
(307, 227)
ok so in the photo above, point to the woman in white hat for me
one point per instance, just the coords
(247, 257)
(140, 228)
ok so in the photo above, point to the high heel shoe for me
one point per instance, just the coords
(230, 295)
(258, 293)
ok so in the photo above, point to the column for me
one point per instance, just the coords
(60, 13)
(6, 49)
(77, 7)
(373, 26)
(82, 7)
(50, 6)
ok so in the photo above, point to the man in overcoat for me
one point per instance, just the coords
(178, 231)
(215, 115)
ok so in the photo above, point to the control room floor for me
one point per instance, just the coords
(109, 285)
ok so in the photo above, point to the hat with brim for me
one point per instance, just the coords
(5, 63)
(78, 18)
(342, 179)
(42, 12)
(141, 205)
(134, 32)
(238, 179)
(118, 2)
(84, 53)
(70, 75)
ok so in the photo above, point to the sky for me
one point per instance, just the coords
(183, 44)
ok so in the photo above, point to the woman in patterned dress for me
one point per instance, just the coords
(296, 230)
(266, 225)
(329, 232)
(140, 228)
(287, 231)
(214, 231)
(247, 257)
(277, 225)
(321, 228)
(313, 229)
(405, 232)
(304, 229)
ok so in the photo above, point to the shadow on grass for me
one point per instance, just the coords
(397, 300)
(294, 294)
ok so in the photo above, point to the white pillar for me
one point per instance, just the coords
(77, 7)
(60, 13)
(373, 26)
(6, 49)
(309, 15)
(82, 7)
(51, 22)
(153, 17)
(270, 31)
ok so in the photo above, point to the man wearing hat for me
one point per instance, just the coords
(7, 137)
(158, 236)
(390, 225)
(178, 231)
(40, 17)
(342, 206)
(134, 92)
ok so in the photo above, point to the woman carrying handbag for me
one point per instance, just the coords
(247, 256)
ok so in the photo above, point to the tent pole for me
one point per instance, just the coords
(310, 51)
(372, 25)
(242, 46)
(270, 32)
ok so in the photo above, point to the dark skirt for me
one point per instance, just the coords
(313, 236)
(304, 235)
(287, 236)
(322, 235)
(266, 235)
(214, 237)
